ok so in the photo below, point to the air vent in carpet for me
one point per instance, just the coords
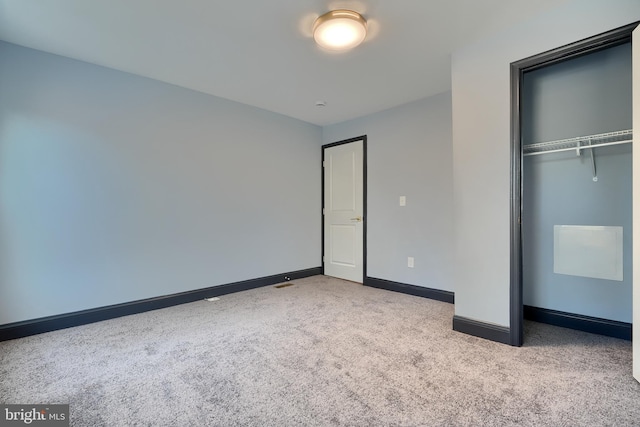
(284, 285)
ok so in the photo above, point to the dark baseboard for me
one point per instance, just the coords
(483, 330)
(594, 325)
(404, 288)
(68, 320)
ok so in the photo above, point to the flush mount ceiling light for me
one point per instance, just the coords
(340, 30)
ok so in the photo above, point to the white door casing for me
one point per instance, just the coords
(635, 44)
(344, 211)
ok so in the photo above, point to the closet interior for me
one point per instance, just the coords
(576, 186)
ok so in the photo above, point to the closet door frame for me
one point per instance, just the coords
(592, 44)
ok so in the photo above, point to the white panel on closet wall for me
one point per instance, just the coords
(588, 251)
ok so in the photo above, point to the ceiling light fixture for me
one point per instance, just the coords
(340, 30)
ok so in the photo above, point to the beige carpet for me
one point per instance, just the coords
(320, 353)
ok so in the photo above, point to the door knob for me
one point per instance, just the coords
(357, 219)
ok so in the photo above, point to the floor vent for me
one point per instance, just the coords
(284, 285)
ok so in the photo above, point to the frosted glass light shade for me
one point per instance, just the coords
(340, 30)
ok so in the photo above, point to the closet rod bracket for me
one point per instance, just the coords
(593, 163)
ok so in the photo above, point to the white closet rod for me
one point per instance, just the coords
(582, 147)
(580, 143)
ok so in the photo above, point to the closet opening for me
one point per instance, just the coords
(571, 193)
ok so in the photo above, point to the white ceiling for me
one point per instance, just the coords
(261, 52)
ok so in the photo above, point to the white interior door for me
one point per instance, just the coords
(635, 43)
(343, 211)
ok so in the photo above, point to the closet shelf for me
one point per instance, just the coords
(579, 143)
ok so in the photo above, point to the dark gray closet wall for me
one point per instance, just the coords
(583, 96)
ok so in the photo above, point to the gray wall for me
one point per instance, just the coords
(115, 188)
(409, 154)
(481, 145)
(587, 95)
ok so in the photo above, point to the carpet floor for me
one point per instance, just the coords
(323, 352)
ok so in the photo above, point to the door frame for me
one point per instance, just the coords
(362, 138)
(589, 45)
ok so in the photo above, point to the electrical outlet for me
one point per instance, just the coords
(410, 262)
(403, 200)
